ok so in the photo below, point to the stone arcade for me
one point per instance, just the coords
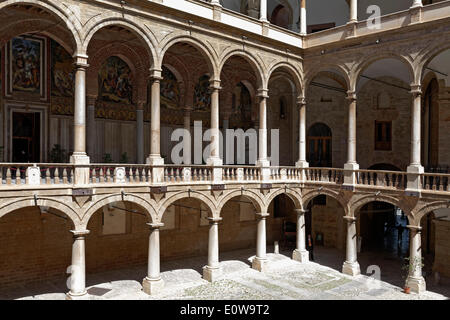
(92, 90)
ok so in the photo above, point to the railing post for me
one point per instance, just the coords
(415, 12)
(33, 175)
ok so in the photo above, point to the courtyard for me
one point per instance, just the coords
(285, 280)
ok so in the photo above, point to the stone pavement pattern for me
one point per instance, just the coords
(286, 279)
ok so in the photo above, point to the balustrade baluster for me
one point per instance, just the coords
(18, 180)
(108, 176)
(8, 176)
(56, 173)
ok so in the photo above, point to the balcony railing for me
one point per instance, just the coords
(44, 175)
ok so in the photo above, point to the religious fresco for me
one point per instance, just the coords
(63, 71)
(170, 90)
(202, 95)
(110, 111)
(26, 64)
(115, 81)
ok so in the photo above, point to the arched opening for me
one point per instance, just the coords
(31, 78)
(435, 251)
(185, 99)
(325, 231)
(383, 240)
(383, 95)
(35, 252)
(117, 241)
(283, 116)
(116, 88)
(430, 127)
(281, 16)
(319, 146)
(238, 111)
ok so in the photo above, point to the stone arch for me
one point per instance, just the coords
(357, 204)
(364, 63)
(309, 195)
(426, 209)
(186, 194)
(295, 196)
(426, 56)
(135, 199)
(257, 65)
(253, 196)
(61, 11)
(296, 76)
(207, 52)
(45, 202)
(110, 19)
(132, 58)
(326, 69)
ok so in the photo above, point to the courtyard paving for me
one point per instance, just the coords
(285, 279)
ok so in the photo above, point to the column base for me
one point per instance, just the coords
(81, 174)
(157, 173)
(417, 285)
(152, 286)
(300, 256)
(350, 177)
(351, 268)
(214, 161)
(211, 274)
(154, 160)
(77, 296)
(260, 264)
(414, 185)
(302, 164)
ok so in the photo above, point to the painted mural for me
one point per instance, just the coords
(63, 71)
(242, 101)
(170, 90)
(115, 81)
(202, 95)
(26, 64)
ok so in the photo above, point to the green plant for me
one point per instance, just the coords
(107, 158)
(124, 158)
(410, 264)
(58, 155)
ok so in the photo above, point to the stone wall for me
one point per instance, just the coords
(328, 221)
(442, 248)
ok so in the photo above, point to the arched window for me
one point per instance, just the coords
(319, 146)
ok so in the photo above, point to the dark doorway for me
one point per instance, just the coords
(319, 146)
(26, 139)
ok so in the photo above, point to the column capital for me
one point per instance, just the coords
(300, 211)
(155, 74)
(214, 84)
(301, 101)
(262, 215)
(350, 219)
(80, 233)
(351, 95)
(80, 61)
(414, 228)
(416, 90)
(155, 225)
(214, 219)
(263, 93)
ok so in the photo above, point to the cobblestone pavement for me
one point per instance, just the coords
(285, 279)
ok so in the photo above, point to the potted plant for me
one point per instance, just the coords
(57, 154)
(410, 264)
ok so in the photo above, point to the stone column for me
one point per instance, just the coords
(91, 133)
(212, 271)
(351, 265)
(415, 168)
(263, 10)
(77, 280)
(303, 29)
(263, 160)
(187, 156)
(79, 156)
(300, 253)
(260, 261)
(140, 132)
(214, 159)
(301, 103)
(415, 279)
(153, 283)
(155, 132)
(350, 176)
(417, 3)
(353, 11)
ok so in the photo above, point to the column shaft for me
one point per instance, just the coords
(153, 255)
(263, 10)
(353, 10)
(302, 133)
(415, 127)
(351, 145)
(303, 30)
(78, 267)
(80, 111)
(213, 245)
(351, 265)
(262, 129)
(415, 279)
(261, 238)
(187, 138)
(140, 133)
(155, 147)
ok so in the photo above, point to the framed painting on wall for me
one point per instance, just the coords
(26, 66)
